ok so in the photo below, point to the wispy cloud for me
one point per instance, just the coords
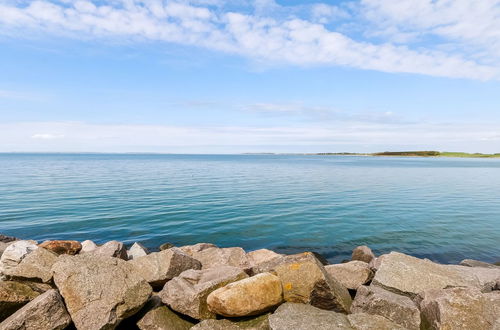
(280, 36)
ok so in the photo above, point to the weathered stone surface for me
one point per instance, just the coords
(250, 296)
(4, 246)
(137, 250)
(162, 318)
(259, 256)
(192, 249)
(215, 257)
(14, 295)
(188, 292)
(306, 317)
(36, 265)
(62, 247)
(111, 249)
(45, 312)
(460, 308)
(7, 239)
(351, 274)
(476, 263)
(363, 253)
(257, 323)
(99, 291)
(482, 278)
(14, 253)
(363, 321)
(399, 309)
(305, 280)
(166, 246)
(88, 246)
(159, 267)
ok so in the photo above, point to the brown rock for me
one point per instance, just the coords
(250, 296)
(36, 265)
(7, 239)
(166, 246)
(162, 318)
(99, 291)
(398, 309)
(362, 253)
(14, 295)
(306, 317)
(351, 274)
(188, 292)
(45, 312)
(62, 247)
(305, 280)
(363, 321)
(460, 308)
(111, 249)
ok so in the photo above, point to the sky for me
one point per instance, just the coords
(214, 76)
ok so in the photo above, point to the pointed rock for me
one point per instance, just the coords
(363, 253)
(137, 250)
(88, 246)
(111, 249)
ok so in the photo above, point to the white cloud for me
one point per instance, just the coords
(46, 136)
(276, 39)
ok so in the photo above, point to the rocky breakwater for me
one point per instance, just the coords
(68, 284)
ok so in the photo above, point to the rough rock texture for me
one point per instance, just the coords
(460, 308)
(250, 296)
(305, 280)
(45, 312)
(88, 246)
(3, 247)
(159, 267)
(409, 275)
(99, 291)
(362, 253)
(137, 250)
(257, 323)
(36, 265)
(111, 249)
(14, 253)
(192, 249)
(162, 318)
(214, 257)
(305, 317)
(62, 247)
(259, 256)
(188, 292)
(399, 309)
(351, 274)
(7, 239)
(476, 263)
(14, 295)
(363, 321)
(166, 246)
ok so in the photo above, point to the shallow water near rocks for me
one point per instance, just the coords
(445, 209)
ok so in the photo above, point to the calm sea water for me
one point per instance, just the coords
(442, 209)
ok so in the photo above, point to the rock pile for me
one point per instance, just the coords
(68, 284)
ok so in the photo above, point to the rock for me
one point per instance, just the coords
(215, 257)
(99, 291)
(362, 253)
(351, 274)
(137, 250)
(460, 308)
(62, 247)
(305, 280)
(14, 253)
(250, 296)
(159, 267)
(166, 246)
(363, 321)
(3, 247)
(111, 249)
(260, 256)
(192, 249)
(398, 309)
(45, 312)
(306, 317)
(162, 318)
(36, 265)
(257, 323)
(88, 246)
(187, 293)
(475, 263)
(14, 295)
(7, 239)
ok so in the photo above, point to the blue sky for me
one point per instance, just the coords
(212, 76)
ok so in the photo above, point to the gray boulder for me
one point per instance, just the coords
(14, 295)
(45, 312)
(351, 274)
(137, 250)
(363, 321)
(362, 253)
(306, 317)
(215, 257)
(258, 323)
(192, 249)
(36, 265)
(14, 253)
(476, 263)
(88, 246)
(99, 291)
(111, 249)
(188, 292)
(258, 257)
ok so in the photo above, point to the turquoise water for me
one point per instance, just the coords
(444, 209)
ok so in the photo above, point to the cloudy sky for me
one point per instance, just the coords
(214, 76)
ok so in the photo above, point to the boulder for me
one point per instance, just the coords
(362, 253)
(166, 246)
(398, 309)
(45, 312)
(306, 317)
(3, 247)
(188, 292)
(99, 291)
(36, 265)
(88, 246)
(257, 323)
(14, 253)
(250, 296)
(162, 318)
(137, 250)
(351, 274)
(460, 308)
(476, 263)
(111, 249)
(159, 267)
(62, 247)
(305, 280)
(260, 256)
(192, 249)
(7, 239)
(14, 295)
(215, 257)
(363, 321)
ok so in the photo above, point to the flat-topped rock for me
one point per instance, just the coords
(14, 253)
(306, 317)
(62, 247)
(258, 257)
(351, 274)
(192, 249)
(137, 250)
(159, 267)
(99, 291)
(45, 312)
(364, 321)
(250, 296)
(14, 295)
(188, 292)
(363, 253)
(36, 265)
(111, 249)
(215, 257)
